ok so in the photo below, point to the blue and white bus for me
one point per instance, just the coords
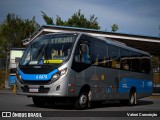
(82, 68)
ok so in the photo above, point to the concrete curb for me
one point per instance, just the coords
(6, 91)
(155, 94)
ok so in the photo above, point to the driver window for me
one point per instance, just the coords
(82, 53)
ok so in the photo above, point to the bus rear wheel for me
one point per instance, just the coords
(133, 98)
(39, 101)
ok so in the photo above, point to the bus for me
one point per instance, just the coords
(81, 68)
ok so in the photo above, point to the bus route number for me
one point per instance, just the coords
(41, 77)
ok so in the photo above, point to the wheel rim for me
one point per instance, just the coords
(132, 99)
(83, 100)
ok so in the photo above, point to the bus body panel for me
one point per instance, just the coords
(105, 83)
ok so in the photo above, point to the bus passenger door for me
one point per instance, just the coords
(82, 65)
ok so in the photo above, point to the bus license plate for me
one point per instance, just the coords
(34, 90)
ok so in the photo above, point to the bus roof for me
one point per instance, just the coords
(107, 40)
(118, 44)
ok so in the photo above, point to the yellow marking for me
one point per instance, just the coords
(14, 89)
(94, 77)
(52, 61)
(61, 53)
(102, 76)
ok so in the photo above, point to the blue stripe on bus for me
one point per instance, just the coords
(142, 86)
(37, 77)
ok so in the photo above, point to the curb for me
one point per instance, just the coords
(6, 91)
(155, 94)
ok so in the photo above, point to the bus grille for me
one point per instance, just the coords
(40, 90)
(36, 82)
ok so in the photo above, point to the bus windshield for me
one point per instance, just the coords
(49, 49)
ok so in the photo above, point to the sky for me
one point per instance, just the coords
(137, 17)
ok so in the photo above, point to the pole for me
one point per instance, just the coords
(6, 83)
(159, 68)
(159, 31)
(6, 72)
(14, 89)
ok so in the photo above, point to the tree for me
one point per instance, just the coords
(59, 21)
(155, 62)
(13, 30)
(114, 27)
(48, 20)
(76, 20)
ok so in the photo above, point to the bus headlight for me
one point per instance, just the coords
(59, 74)
(19, 77)
(55, 77)
(62, 72)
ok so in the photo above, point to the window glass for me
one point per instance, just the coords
(49, 49)
(125, 60)
(82, 53)
(114, 55)
(145, 64)
(135, 60)
(99, 54)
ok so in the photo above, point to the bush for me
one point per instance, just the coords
(2, 79)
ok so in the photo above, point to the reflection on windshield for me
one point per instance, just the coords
(49, 49)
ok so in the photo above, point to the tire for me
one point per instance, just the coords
(124, 102)
(132, 98)
(51, 101)
(83, 101)
(39, 101)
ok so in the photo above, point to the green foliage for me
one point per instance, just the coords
(114, 27)
(76, 20)
(59, 21)
(13, 30)
(2, 79)
(155, 62)
(48, 20)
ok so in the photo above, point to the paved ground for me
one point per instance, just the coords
(15, 103)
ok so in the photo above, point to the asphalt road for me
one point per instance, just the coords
(16, 103)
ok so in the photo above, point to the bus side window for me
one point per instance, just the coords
(99, 54)
(77, 54)
(114, 55)
(125, 60)
(82, 53)
(85, 57)
(145, 64)
(135, 61)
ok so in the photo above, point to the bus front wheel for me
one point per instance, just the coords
(39, 101)
(83, 101)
